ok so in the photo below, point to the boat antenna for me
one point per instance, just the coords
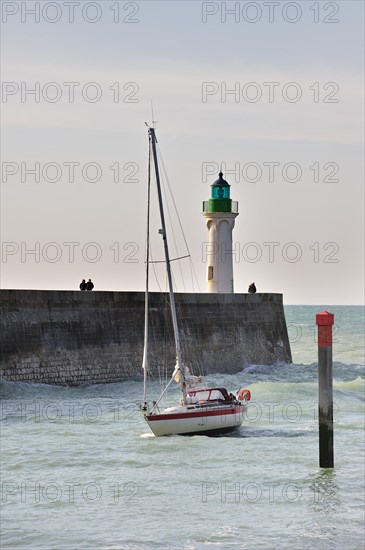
(154, 122)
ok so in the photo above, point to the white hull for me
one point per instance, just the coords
(181, 420)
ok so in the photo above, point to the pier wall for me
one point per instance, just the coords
(72, 338)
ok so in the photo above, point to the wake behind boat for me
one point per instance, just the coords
(201, 410)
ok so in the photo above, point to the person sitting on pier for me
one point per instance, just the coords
(83, 285)
(252, 288)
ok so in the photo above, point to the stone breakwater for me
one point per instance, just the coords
(72, 338)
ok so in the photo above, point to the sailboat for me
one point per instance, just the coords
(201, 410)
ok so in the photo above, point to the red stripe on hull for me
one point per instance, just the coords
(177, 416)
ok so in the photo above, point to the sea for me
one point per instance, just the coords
(80, 469)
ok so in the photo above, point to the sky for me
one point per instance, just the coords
(269, 92)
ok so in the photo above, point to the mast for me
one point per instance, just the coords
(168, 267)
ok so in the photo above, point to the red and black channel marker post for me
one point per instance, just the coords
(325, 322)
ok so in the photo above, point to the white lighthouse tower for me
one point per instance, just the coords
(220, 213)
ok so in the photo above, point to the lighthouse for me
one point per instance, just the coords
(220, 213)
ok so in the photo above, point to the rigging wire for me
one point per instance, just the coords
(145, 346)
(189, 347)
(167, 203)
(177, 213)
(161, 340)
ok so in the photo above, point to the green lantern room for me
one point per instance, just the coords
(220, 200)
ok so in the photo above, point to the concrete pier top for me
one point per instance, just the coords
(56, 296)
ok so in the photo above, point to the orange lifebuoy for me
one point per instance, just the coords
(244, 394)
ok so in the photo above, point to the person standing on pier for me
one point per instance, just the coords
(89, 285)
(83, 285)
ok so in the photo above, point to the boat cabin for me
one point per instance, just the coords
(219, 395)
